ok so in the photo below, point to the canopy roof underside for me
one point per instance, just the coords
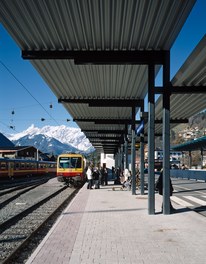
(104, 26)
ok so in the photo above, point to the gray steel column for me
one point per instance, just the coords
(133, 153)
(119, 158)
(126, 152)
(115, 160)
(190, 159)
(166, 135)
(142, 164)
(142, 156)
(151, 140)
(126, 148)
(122, 157)
(201, 158)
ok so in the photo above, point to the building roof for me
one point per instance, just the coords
(195, 144)
(5, 142)
(15, 148)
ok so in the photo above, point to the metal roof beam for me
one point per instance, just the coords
(182, 89)
(139, 57)
(103, 131)
(93, 102)
(102, 121)
(103, 138)
(188, 89)
(156, 135)
(174, 121)
(104, 141)
(106, 121)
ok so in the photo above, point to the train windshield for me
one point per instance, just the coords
(70, 162)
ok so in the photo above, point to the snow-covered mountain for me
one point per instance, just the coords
(53, 139)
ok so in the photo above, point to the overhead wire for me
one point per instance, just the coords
(13, 127)
(10, 72)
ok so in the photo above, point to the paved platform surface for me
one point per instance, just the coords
(103, 226)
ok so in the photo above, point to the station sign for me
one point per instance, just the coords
(140, 128)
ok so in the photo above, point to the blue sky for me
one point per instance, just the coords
(26, 98)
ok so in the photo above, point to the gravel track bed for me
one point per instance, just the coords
(11, 238)
(26, 200)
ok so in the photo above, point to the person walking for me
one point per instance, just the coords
(96, 178)
(159, 187)
(102, 176)
(89, 178)
(105, 173)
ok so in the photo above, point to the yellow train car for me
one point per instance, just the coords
(13, 168)
(71, 168)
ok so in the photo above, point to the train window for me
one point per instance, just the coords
(77, 162)
(17, 165)
(22, 165)
(64, 162)
(70, 162)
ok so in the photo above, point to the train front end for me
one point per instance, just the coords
(71, 169)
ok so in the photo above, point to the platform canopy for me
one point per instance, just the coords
(94, 56)
(188, 89)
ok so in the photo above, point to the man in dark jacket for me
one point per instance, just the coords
(96, 178)
(159, 187)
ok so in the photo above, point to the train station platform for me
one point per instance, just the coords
(103, 226)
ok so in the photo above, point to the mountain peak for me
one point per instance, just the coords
(67, 138)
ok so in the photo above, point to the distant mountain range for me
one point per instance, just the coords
(61, 139)
(53, 139)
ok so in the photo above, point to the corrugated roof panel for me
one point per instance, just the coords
(92, 126)
(92, 25)
(83, 111)
(192, 73)
(103, 81)
(95, 25)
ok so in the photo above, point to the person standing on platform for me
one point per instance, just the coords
(102, 175)
(105, 173)
(126, 174)
(89, 178)
(96, 178)
(159, 187)
(113, 172)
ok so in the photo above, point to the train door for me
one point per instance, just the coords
(11, 169)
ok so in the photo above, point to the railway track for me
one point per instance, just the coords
(17, 231)
(9, 187)
(10, 195)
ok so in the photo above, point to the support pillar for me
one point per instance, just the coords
(142, 156)
(126, 148)
(119, 158)
(201, 159)
(133, 153)
(151, 140)
(166, 135)
(122, 157)
(190, 159)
